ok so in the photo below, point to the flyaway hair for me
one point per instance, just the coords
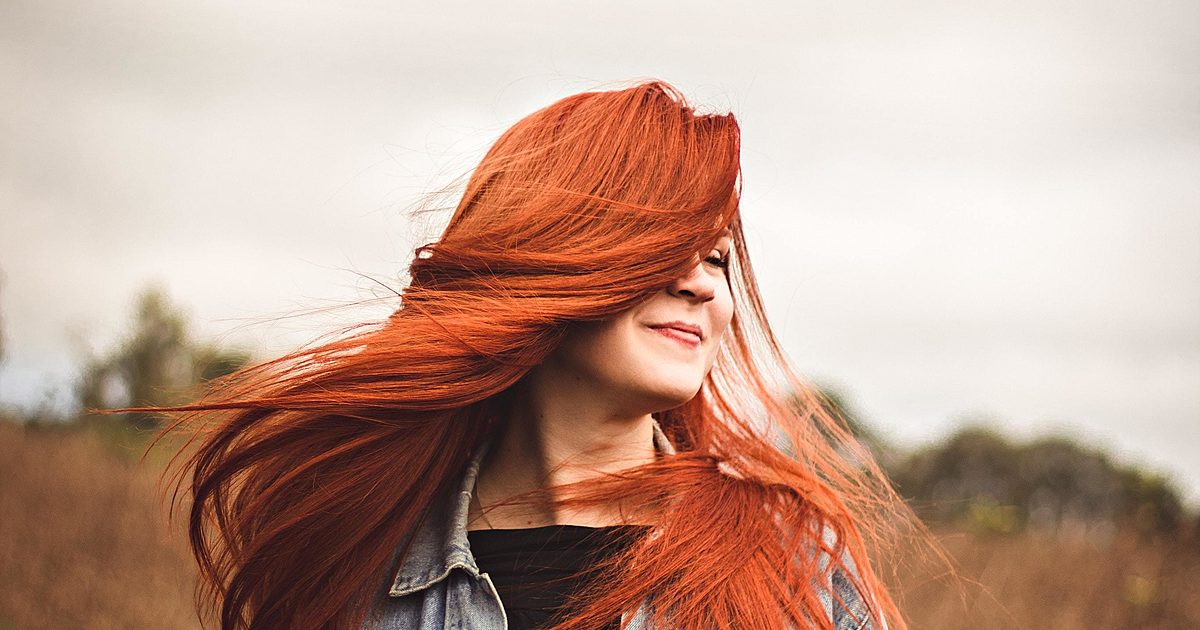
(308, 471)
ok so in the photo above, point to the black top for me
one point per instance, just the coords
(535, 569)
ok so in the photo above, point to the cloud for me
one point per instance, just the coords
(954, 209)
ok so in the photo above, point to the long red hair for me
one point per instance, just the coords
(310, 470)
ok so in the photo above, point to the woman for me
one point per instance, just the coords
(580, 384)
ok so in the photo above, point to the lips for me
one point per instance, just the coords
(684, 328)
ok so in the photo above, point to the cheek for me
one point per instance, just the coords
(722, 314)
(620, 354)
(595, 350)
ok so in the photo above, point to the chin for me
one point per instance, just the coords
(669, 396)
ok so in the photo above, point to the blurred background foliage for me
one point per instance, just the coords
(989, 483)
(158, 362)
(1046, 532)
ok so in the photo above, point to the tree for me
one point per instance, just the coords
(1053, 483)
(157, 364)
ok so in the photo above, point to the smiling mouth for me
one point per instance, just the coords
(690, 339)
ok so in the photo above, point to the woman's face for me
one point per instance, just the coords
(655, 355)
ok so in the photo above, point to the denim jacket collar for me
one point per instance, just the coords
(440, 542)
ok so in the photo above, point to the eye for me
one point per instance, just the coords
(718, 258)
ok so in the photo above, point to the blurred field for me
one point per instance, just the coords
(1035, 581)
(83, 543)
(82, 538)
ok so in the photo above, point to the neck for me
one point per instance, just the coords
(558, 433)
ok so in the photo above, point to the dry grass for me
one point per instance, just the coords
(83, 543)
(82, 538)
(1065, 583)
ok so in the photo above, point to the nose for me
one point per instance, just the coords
(695, 286)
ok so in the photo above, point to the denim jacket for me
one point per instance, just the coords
(438, 586)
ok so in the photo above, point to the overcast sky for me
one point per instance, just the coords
(956, 210)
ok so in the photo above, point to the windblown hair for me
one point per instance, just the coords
(309, 471)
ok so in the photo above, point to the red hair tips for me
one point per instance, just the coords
(308, 471)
